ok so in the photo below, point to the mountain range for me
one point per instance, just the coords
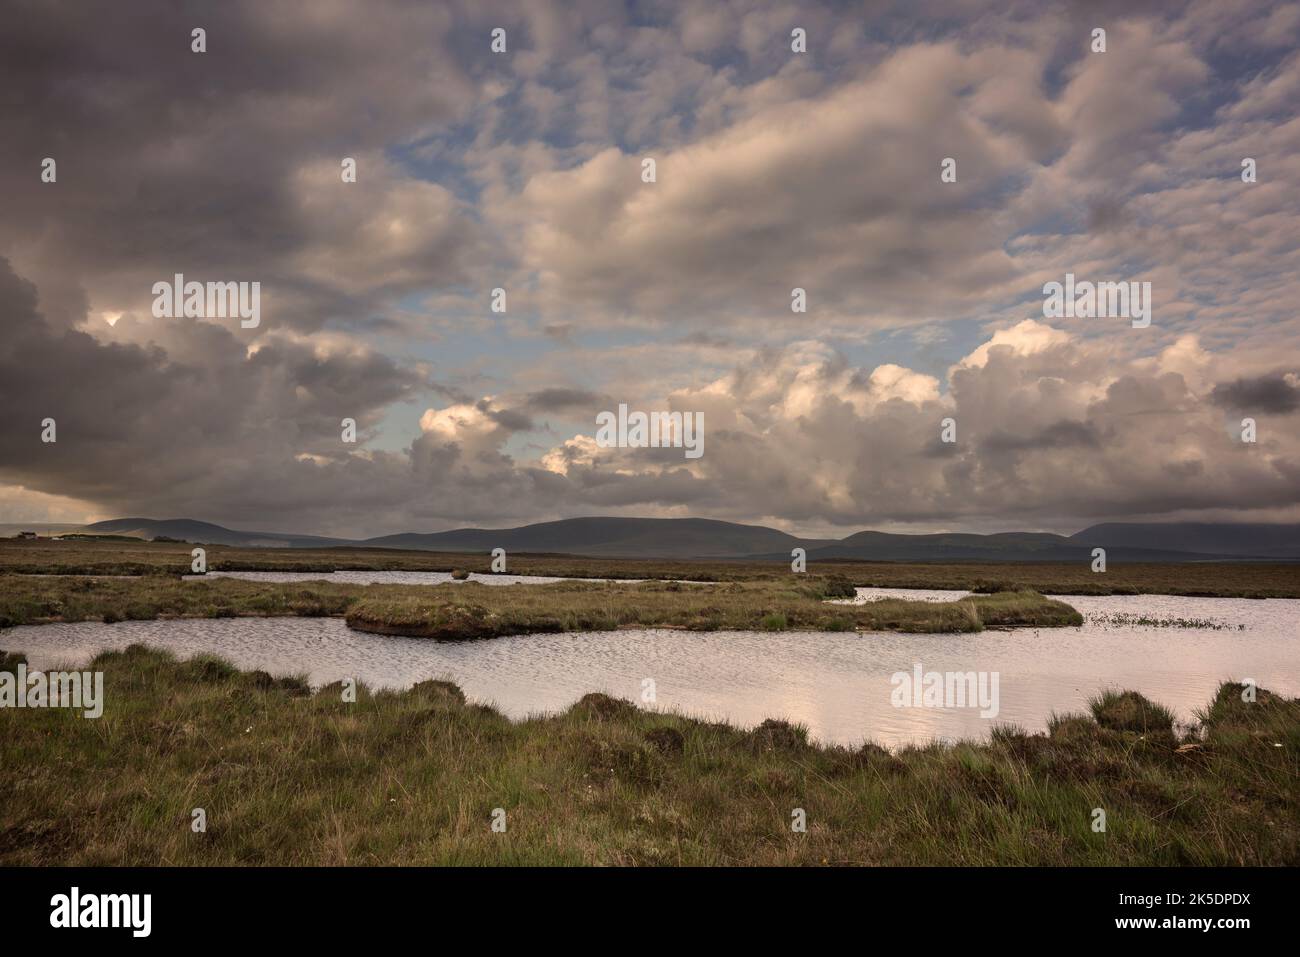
(711, 539)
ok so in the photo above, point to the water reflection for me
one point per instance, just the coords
(836, 683)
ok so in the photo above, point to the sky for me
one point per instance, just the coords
(774, 169)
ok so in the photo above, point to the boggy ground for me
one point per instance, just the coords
(486, 611)
(473, 610)
(290, 777)
(136, 557)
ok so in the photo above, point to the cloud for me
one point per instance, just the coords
(561, 400)
(228, 162)
(1023, 339)
(788, 197)
(1277, 393)
(775, 170)
(142, 430)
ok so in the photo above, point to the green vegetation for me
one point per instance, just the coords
(1122, 620)
(138, 557)
(1190, 579)
(483, 611)
(123, 556)
(474, 610)
(1129, 711)
(288, 777)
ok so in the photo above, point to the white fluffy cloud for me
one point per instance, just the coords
(774, 171)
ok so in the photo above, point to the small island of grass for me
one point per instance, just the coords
(464, 610)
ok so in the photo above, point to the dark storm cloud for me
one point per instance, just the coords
(511, 419)
(1058, 435)
(561, 400)
(1276, 393)
(135, 426)
(225, 165)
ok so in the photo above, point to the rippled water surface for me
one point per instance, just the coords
(836, 683)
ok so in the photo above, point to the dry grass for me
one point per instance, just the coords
(484, 611)
(474, 610)
(287, 777)
(130, 557)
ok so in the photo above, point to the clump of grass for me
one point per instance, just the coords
(838, 586)
(1071, 726)
(774, 735)
(206, 669)
(1006, 732)
(1251, 716)
(598, 706)
(1130, 711)
(409, 778)
(439, 690)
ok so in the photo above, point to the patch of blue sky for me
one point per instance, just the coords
(435, 159)
(1230, 69)
(930, 348)
(398, 427)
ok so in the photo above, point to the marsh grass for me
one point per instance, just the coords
(1130, 711)
(479, 611)
(1122, 620)
(137, 557)
(289, 777)
(474, 610)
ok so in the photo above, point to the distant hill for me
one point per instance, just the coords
(44, 529)
(205, 533)
(998, 547)
(708, 538)
(612, 537)
(1246, 540)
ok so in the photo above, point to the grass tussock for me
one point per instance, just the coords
(473, 610)
(289, 777)
(1130, 711)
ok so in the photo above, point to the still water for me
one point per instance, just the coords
(838, 684)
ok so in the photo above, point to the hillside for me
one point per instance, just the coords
(687, 538)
